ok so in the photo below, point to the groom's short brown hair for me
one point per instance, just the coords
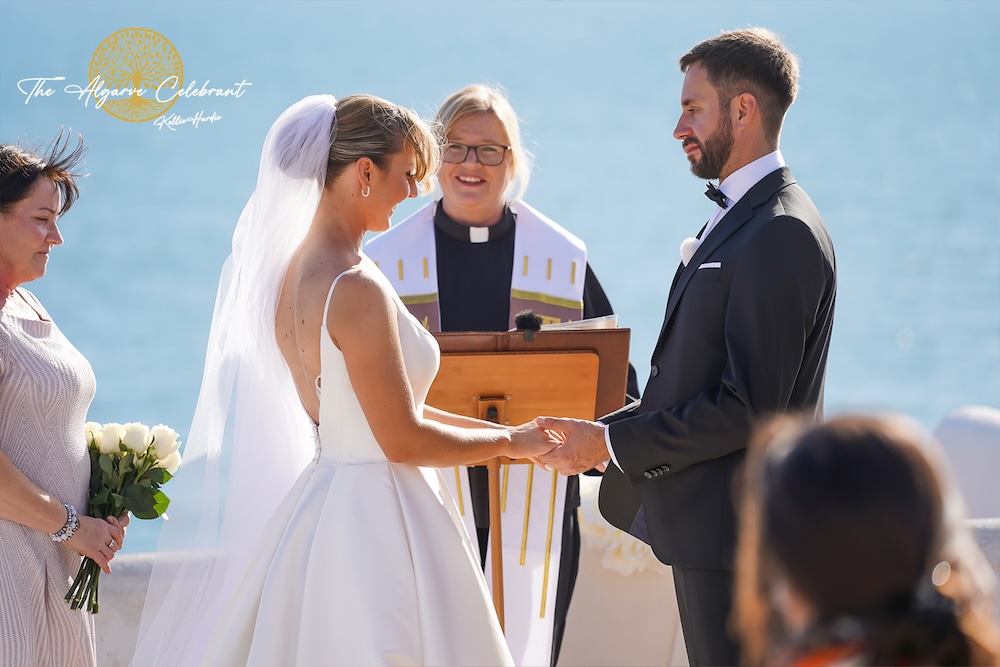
(752, 60)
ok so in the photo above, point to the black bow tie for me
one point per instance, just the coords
(715, 194)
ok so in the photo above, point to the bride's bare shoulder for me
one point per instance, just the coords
(361, 287)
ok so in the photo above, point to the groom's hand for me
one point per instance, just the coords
(529, 440)
(583, 447)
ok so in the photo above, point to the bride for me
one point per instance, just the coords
(357, 557)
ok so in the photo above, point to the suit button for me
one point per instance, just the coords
(654, 371)
(648, 475)
(665, 469)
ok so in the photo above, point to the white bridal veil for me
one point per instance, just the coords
(250, 437)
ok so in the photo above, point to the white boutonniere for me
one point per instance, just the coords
(689, 247)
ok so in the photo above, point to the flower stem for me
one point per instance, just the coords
(92, 604)
(83, 590)
(77, 583)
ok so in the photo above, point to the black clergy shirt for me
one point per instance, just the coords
(474, 279)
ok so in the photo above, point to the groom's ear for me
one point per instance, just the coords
(745, 111)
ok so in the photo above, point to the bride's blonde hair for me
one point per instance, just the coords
(369, 126)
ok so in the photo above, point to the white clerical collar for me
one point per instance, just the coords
(740, 181)
(464, 232)
(479, 234)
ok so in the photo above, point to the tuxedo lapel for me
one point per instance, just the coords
(677, 274)
(741, 213)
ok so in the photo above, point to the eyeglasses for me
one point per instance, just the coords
(489, 155)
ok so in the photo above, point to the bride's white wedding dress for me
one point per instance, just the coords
(365, 562)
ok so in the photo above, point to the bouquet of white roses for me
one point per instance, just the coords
(128, 465)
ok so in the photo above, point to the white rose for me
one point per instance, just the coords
(93, 431)
(136, 437)
(171, 463)
(111, 436)
(165, 440)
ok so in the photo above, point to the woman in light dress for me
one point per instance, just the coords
(356, 557)
(46, 386)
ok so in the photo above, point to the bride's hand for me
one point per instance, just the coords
(530, 440)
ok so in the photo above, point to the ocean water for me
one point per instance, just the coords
(894, 135)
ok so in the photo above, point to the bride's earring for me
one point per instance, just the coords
(367, 190)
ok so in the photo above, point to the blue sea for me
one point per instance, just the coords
(894, 135)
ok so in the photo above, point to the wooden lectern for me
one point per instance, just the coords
(513, 377)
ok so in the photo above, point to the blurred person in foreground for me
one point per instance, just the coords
(46, 387)
(853, 550)
(471, 261)
(746, 334)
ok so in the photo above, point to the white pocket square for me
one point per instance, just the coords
(710, 265)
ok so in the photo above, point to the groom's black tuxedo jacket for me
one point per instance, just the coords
(745, 335)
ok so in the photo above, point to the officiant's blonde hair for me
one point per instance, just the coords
(480, 98)
(371, 127)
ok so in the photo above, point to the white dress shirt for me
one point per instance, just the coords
(739, 183)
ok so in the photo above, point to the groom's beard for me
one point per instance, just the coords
(715, 150)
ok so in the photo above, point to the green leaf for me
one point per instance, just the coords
(157, 475)
(116, 506)
(107, 465)
(95, 472)
(140, 501)
(162, 503)
(102, 496)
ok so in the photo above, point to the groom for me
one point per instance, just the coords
(745, 335)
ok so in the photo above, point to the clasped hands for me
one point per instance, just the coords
(573, 445)
(99, 539)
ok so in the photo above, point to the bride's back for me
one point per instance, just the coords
(299, 315)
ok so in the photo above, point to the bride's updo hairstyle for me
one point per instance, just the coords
(368, 126)
(860, 518)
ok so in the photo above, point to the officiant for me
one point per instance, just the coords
(471, 261)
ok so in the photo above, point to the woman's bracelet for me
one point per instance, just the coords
(72, 523)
